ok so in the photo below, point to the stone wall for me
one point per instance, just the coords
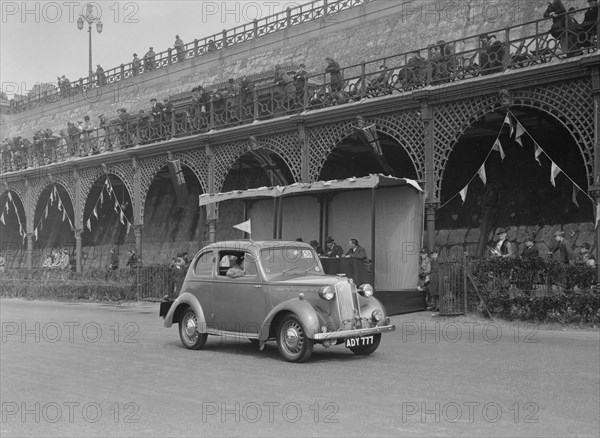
(453, 243)
(373, 31)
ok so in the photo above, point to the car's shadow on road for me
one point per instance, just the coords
(243, 347)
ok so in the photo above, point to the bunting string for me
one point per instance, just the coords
(117, 206)
(518, 130)
(6, 209)
(54, 197)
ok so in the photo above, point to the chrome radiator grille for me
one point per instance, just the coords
(345, 300)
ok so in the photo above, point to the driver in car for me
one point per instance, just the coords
(236, 269)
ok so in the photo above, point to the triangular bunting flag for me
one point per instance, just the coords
(554, 171)
(508, 122)
(9, 197)
(35, 233)
(95, 212)
(498, 147)
(538, 152)
(2, 218)
(64, 215)
(128, 227)
(574, 196)
(6, 207)
(116, 206)
(102, 197)
(121, 216)
(463, 193)
(519, 134)
(52, 197)
(88, 224)
(46, 212)
(60, 206)
(245, 226)
(482, 175)
(597, 215)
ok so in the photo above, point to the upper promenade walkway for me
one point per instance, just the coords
(221, 107)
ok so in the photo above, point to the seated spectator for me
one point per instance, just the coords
(332, 249)
(503, 247)
(356, 251)
(316, 247)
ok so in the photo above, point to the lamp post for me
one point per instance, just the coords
(90, 18)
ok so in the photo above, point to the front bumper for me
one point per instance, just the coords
(354, 333)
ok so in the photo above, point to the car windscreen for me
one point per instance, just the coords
(289, 261)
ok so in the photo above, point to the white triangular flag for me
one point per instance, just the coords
(116, 205)
(64, 215)
(519, 134)
(245, 226)
(538, 152)
(597, 215)
(95, 212)
(52, 197)
(481, 173)
(554, 171)
(88, 224)
(128, 227)
(60, 206)
(2, 218)
(10, 197)
(35, 233)
(46, 212)
(508, 122)
(121, 216)
(498, 147)
(463, 193)
(102, 197)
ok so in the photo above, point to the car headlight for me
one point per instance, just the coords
(366, 290)
(327, 293)
(377, 315)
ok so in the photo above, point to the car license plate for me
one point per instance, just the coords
(357, 342)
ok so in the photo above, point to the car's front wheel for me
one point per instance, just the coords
(292, 342)
(367, 349)
(188, 331)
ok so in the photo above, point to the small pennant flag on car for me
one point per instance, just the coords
(245, 226)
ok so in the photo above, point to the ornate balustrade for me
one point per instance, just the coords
(456, 60)
(227, 38)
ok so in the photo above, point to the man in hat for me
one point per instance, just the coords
(503, 247)
(114, 260)
(132, 262)
(156, 112)
(180, 47)
(336, 75)
(136, 65)
(101, 76)
(530, 251)
(332, 249)
(563, 252)
(356, 251)
(149, 59)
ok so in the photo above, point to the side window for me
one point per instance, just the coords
(204, 265)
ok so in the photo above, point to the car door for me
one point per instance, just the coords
(240, 304)
(199, 282)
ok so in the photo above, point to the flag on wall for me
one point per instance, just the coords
(554, 171)
(178, 181)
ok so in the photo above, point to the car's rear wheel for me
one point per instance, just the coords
(292, 342)
(188, 331)
(367, 349)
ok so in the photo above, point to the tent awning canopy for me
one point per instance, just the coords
(366, 182)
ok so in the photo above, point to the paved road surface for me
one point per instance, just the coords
(79, 369)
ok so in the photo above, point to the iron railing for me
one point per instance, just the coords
(315, 10)
(225, 107)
